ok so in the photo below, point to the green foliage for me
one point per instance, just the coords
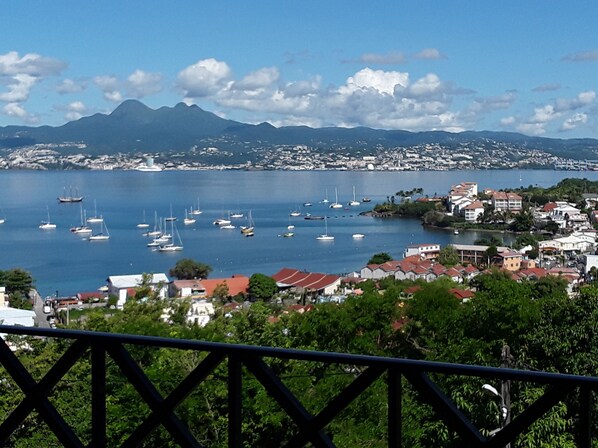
(380, 258)
(188, 269)
(16, 281)
(262, 287)
(448, 256)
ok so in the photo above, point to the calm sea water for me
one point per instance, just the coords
(64, 262)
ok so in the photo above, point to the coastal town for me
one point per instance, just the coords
(565, 249)
(431, 157)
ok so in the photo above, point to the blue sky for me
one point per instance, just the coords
(528, 67)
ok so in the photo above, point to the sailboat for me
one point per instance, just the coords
(47, 225)
(143, 224)
(82, 229)
(354, 202)
(70, 198)
(95, 218)
(295, 213)
(171, 218)
(336, 204)
(248, 230)
(325, 200)
(325, 236)
(196, 211)
(188, 219)
(102, 235)
(157, 231)
(172, 247)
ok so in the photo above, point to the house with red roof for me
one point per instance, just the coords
(312, 283)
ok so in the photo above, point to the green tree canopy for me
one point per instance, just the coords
(16, 281)
(188, 269)
(262, 287)
(380, 258)
(448, 256)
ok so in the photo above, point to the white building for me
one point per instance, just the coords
(14, 316)
(423, 250)
(122, 285)
(473, 211)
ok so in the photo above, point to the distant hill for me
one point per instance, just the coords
(134, 127)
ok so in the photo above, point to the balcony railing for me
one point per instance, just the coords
(311, 429)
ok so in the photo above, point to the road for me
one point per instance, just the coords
(38, 306)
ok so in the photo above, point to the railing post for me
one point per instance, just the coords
(235, 386)
(394, 408)
(98, 395)
(585, 417)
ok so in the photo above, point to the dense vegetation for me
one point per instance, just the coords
(545, 329)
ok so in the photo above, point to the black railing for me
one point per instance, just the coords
(310, 428)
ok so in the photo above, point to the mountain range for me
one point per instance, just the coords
(134, 127)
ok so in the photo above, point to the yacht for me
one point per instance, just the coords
(189, 219)
(95, 218)
(325, 236)
(354, 202)
(47, 225)
(70, 197)
(102, 235)
(172, 246)
(358, 236)
(336, 204)
(143, 224)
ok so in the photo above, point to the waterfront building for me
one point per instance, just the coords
(427, 251)
(124, 286)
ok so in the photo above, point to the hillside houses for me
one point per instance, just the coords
(414, 268)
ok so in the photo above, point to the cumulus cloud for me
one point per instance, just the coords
(32, 64)
(68, 85)
(17, 110)
(75, 110)
(20, 74)
(378, 80)
(141, 84)
(18, 88)
(546, 115)
(574, 122)
(258, 79)
(204, 78)
(110, 87)
(585, 56)
(429, 53)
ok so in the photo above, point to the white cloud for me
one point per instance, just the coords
(75, 110)
(32, 64)
(259, 79)
(574, 122)
(110, 87)
(531, 128)
(508, 121)
(204, 78)
(141, 84)
(68, 85)
(429, 53)
(17, 110)
(543, 114)
(18, 88)
(378, 80)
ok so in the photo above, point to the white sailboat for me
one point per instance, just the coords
(157, 227)
(47, 225)
(102, 235)
(325, 236)
(95, 218)
(358, 236)
(172, 246)
(354, 202)
(82, 229)
(196, 211)
(143, 224)
(325, 200)
(336, 204)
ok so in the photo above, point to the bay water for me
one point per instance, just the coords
(65, 263)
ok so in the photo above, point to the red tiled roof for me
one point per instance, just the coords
(549, 206)
(412, 289)
(305, 280)
(236, 285)
(462, 293)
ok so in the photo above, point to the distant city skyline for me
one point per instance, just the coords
(528, 67)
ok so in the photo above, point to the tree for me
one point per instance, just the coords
(380, 258)
(221, 292)
(187, 269)
(262, 287)
(16, 281)
(448, 256)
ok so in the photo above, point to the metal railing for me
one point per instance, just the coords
(310, 428)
